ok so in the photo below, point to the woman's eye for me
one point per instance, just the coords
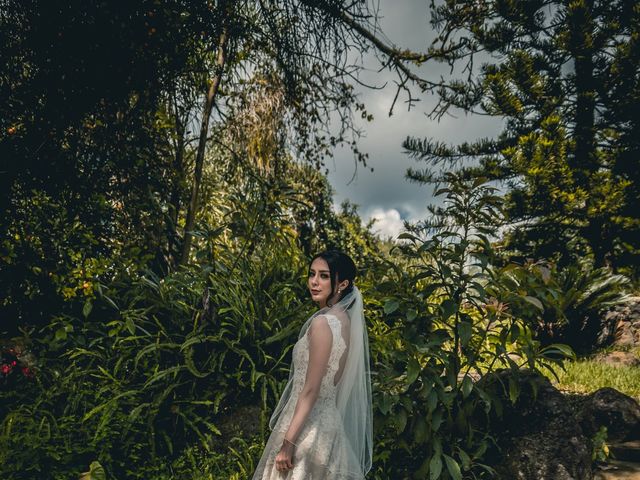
(324, 275)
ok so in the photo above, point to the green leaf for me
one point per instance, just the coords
(435, 467)
(432, 400)
(391, 306)
(420, 430)
(413, 370)
(130, 326)
(86, 310)
(426, 246)
(282, 333)
(407, 236)
(436, 420)
(514, 390)
(465, 459)
(96, 471)
(534, 301)
(386, 403)
(558, 350)
(448, 308)
(467, 386)
(453, 467)
(464, 331)
(400, 420)
(422, 471)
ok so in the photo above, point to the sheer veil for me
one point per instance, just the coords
(354, 387)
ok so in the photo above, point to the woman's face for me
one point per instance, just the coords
(319, 281)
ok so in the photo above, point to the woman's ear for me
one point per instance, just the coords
(343, 285)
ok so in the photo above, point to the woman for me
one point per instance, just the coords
(321, 428)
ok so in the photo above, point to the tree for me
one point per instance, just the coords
(83, 175)
(100, 105)
(557, 73)
(303, 45)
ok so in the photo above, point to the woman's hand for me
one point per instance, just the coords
(284, 459)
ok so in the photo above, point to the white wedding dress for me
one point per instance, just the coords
(323, 451)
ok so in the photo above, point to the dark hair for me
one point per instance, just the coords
(341, 264)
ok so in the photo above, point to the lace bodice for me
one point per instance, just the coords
(301, 360)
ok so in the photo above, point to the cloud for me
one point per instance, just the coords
(386, 190)
(388, 223)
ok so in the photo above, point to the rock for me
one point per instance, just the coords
(539, 436)
(544, 456)
(618, 470)
(626, 451)
(621, 326)
(627, 334)
(626, 359)
(614, 410)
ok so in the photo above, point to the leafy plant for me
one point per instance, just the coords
(571, 300)
(600, 451)
(96, 472)
(443, 323)
(584, 295)
(155, 365)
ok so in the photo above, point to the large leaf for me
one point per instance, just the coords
(435, 467)
(453, 467)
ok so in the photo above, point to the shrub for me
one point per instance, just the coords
(439, 324)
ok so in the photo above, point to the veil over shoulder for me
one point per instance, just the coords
(336, 442)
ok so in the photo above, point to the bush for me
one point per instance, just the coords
(440, 323)
(153, 365)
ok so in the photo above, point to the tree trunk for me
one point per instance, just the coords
(173, 241)
(585, 162)
(202, 141)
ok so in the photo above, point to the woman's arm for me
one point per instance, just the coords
(320, 341)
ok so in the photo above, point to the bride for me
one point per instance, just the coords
(321, 428)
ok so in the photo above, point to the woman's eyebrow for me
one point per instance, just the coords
(321, 271)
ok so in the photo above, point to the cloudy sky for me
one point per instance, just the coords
(385, 194)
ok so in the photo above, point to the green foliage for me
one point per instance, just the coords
(140, 369)
(96, 472)
(97, 127)
(85, 163)
(571, 301)
(600, 451)
(562, 77)
(146, 369)
(135, 384)
(440, 323)
(49, 258)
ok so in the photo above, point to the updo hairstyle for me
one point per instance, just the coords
(341, 264)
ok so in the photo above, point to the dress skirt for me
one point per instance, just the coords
(323, 451)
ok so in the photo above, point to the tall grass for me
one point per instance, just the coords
(588, 375)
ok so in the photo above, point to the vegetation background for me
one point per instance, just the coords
(163, 186)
